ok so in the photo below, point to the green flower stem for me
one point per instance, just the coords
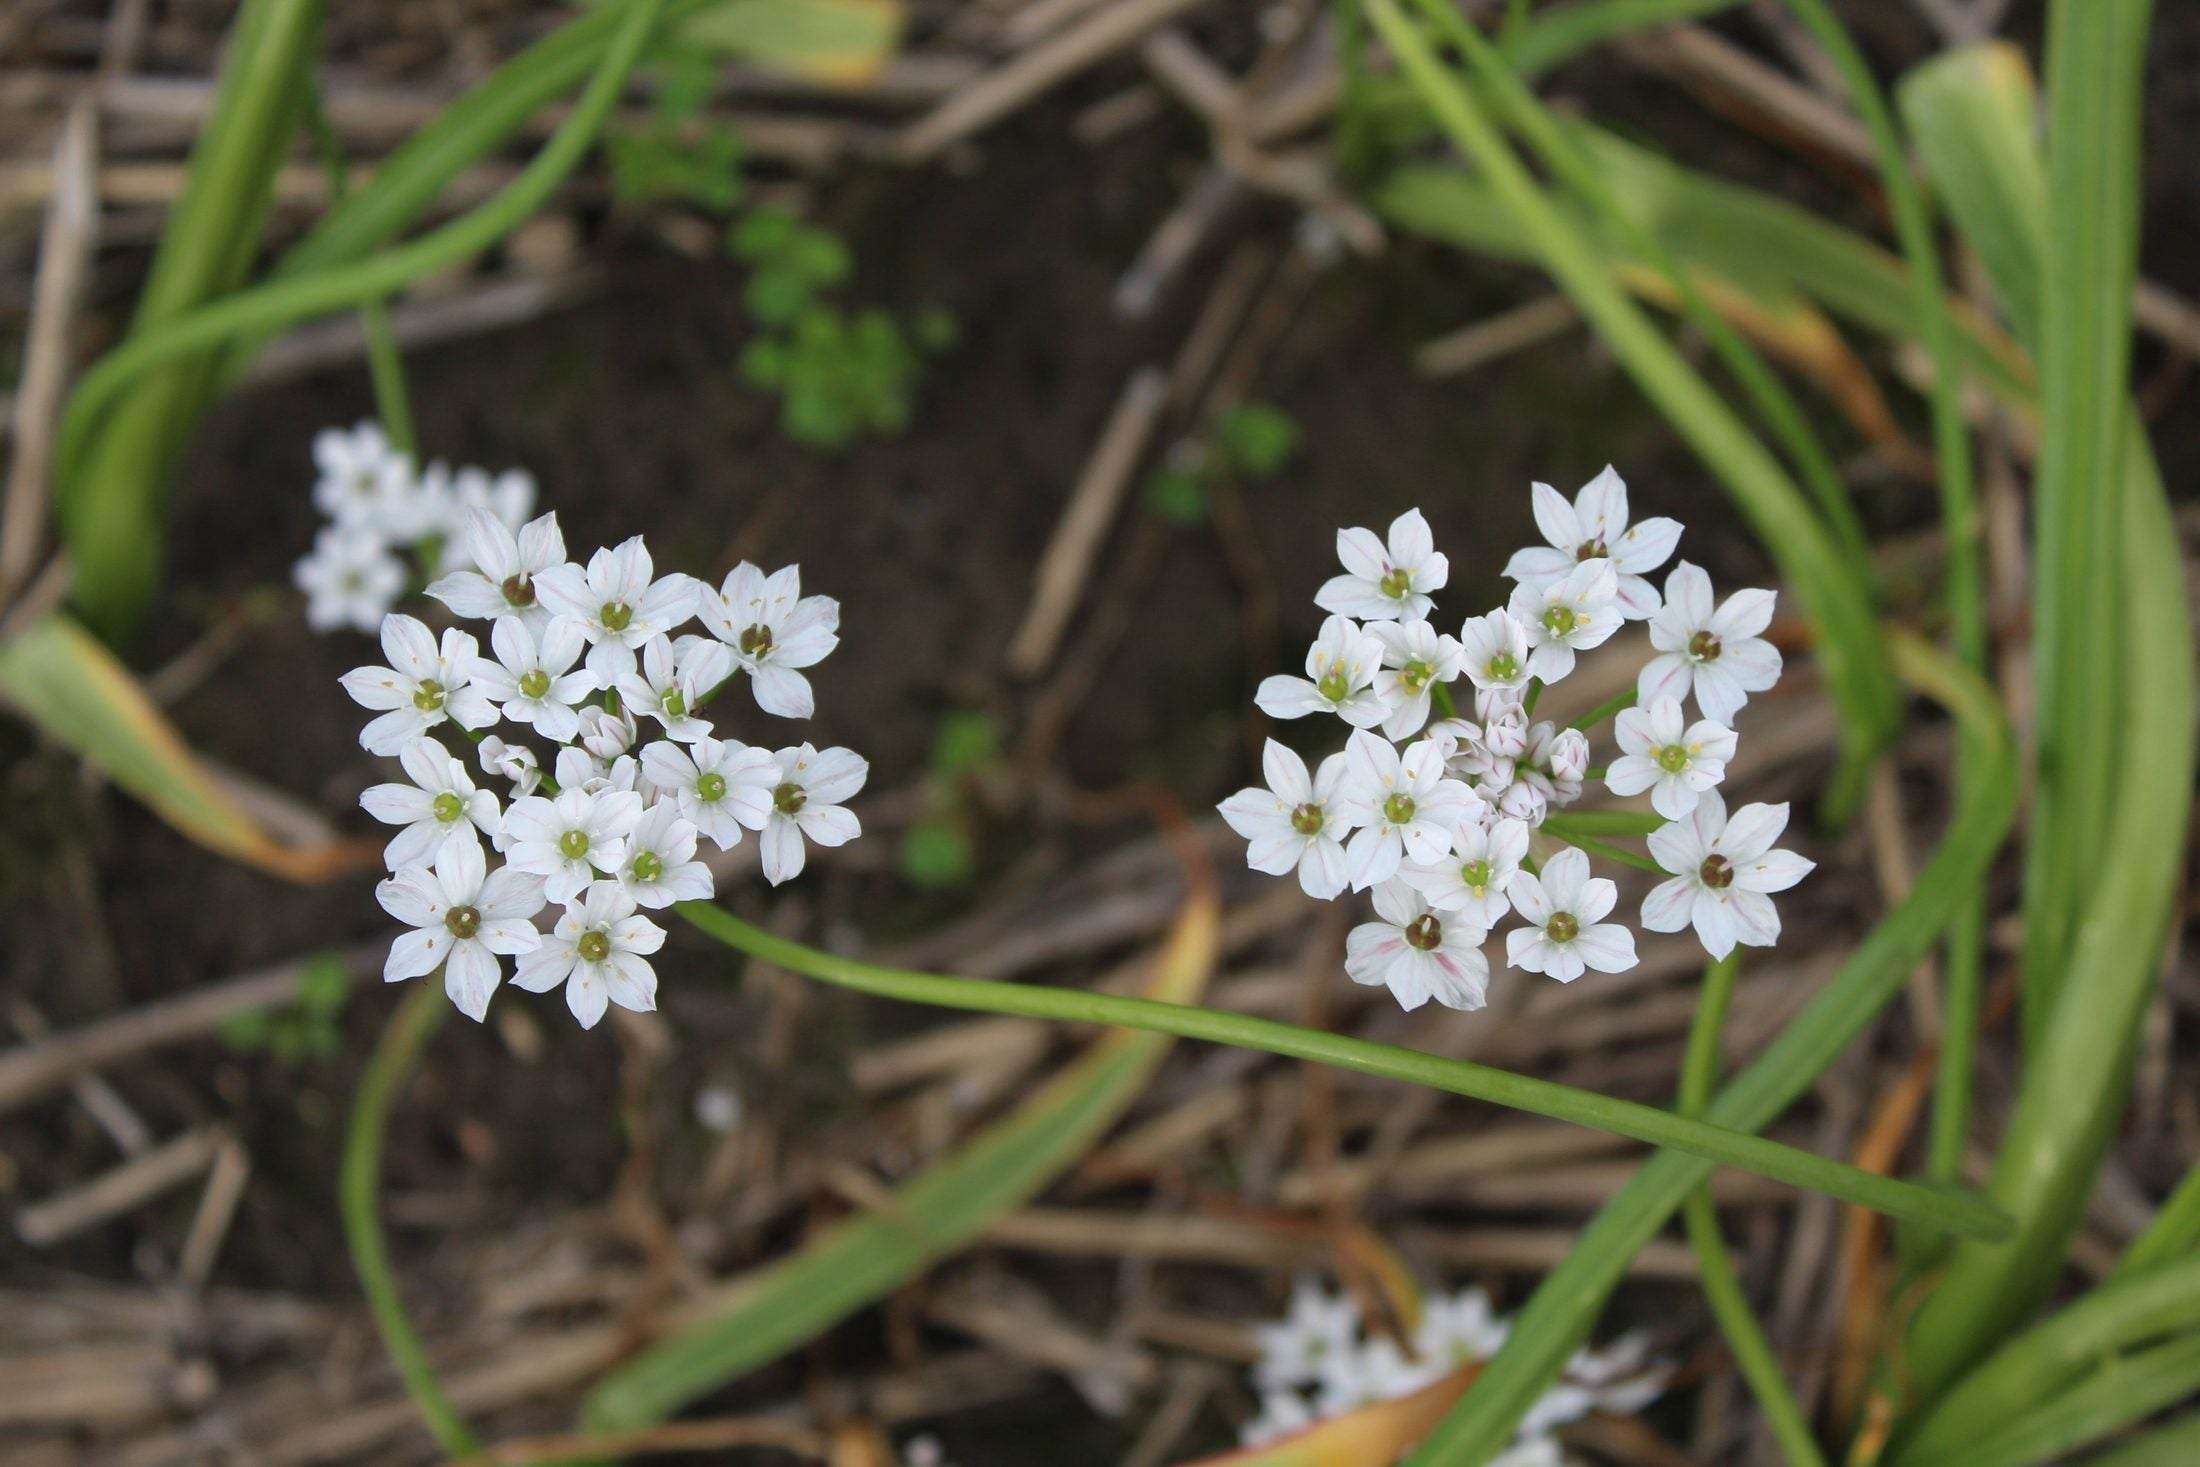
(1608, 851)
(1836, 599)
(1947, 1211)
(386, 365)
(281, 302)
(1568, 824)
(1722, 1288)
(1565, 1307)
(2024, 1374)
(417, 1018)
(1610, 708)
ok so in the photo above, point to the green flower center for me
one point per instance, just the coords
(1717, 872)
(1562, 927)
(1398, 809)
(594, 945)
(1704, 647)
(573, 844)
(674, 703)
(533, 683)
(428, 695)
(1395, 584)
(616, 616)
(1560, 621)
(756, 641)
(1475, 876)
(1673, 759)
(1425, 932)
(462, 922)
(447, 807)
(789, 798)
(648, 866)
(518, 589)
(710, 787)
(1334, 685)
(1307, 820)
(1502, 668)
(1415, 674)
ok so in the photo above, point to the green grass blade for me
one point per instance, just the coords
(2173, 1233)
(111, 513)
(938, 1213)
(1559, 33)
(1565, 1306)
(2175, 1445)
(1833, 591)
(2115, 1394)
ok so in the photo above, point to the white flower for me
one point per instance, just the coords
(1471, 884)
(1577, 611)
(1282, 1414)
(1494, 651)
(515, 762)
(618, 601)
(1294, 823)
(1716, 652)
(1594, 527)
(365, 483)
(1555, 760)
(660, 866)
(1386, 582)
(1567, 907)
(464, 917)
(1526, 799)
(1403, 807)
(536, 685)
(605, 734)
(1418, 953)
(598, 951)
(509, 498)
(1340, 673)
(440, 804)
(423, 685)
(773, 630)
(567, 840)
(1675, 764)
(1318, 1329)
(1415, 658)
(806, 803)
(719, 786)
(577, 769)
(501, 568)
(350, 579)
(1724, 872)
(1387, 1372)
(1458, 1329)
(670, 685)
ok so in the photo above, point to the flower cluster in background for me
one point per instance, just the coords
(380, 508)
(590, 715)
(1319, 1361)
(1440, 802)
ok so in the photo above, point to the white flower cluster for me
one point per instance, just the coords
(612, 831)
(378, 503)
(1317, 1362)
(1444, 821)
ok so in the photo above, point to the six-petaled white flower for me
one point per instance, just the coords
(350, 579)
(720, 785)
(619, 601)
(1319, 1328)
(1471, 882)
(1386, 581)
(424, 684)
(660, 866)
(672, 682)
(600, 951)
(1577, 611)
(569, 839)
(806, 805)
(440, 804)
(533, 682)
(1416, 658)
(1566, 908)
(1293, 824)
(1403, 805)
(1419, 953)
(1714, 651)
(1675, 763)
(365, 483)
(1594, 527)
(507, 497)
(499, 568)
(464, 917)
(1724, 873)
(1494, 651)
(1340, 678)
(774, 631)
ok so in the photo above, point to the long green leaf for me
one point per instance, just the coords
(2174, 1445)
(1560, 32)
(1565, 1306)
(2112, 1396)
(937, 1214)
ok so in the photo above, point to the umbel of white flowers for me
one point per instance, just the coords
(590, 668)
(1443, 821)
(1319, 1361)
